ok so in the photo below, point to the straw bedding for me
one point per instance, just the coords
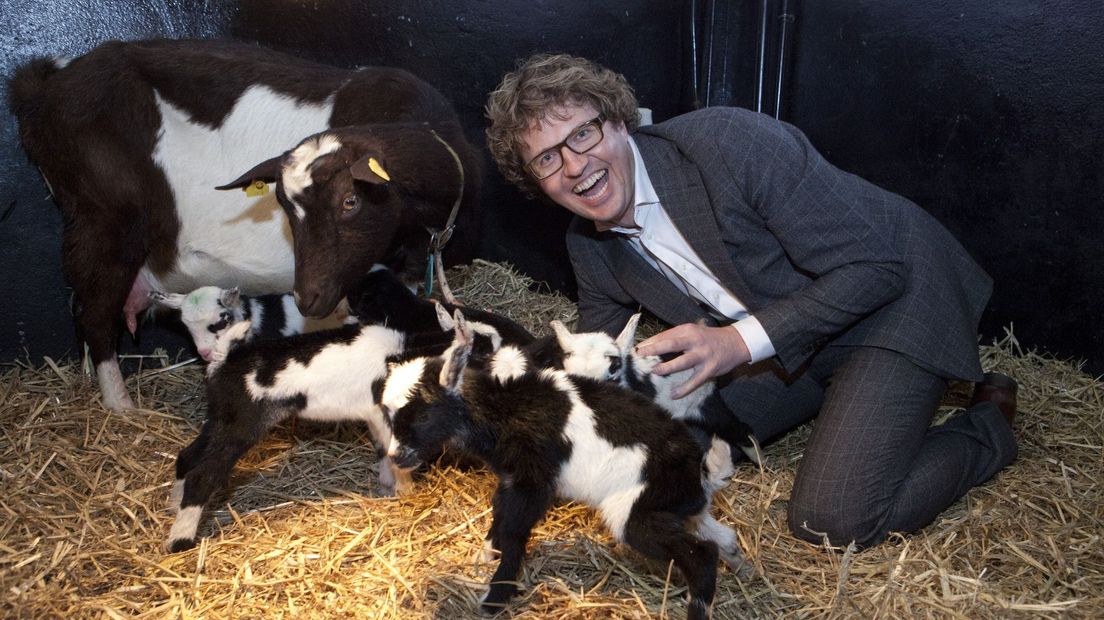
(302, 532)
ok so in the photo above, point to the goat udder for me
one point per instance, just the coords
(137, 301)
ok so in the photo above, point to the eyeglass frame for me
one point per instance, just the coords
(597, 121)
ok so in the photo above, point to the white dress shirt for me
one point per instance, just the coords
(661, 244)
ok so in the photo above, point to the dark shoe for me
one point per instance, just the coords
(1000, 390)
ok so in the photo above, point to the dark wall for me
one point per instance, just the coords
(989, 115)
(983, 113)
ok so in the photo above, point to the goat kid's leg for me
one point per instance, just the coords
(663, 536)
(209, 475)
(186, 462)
(516, 511)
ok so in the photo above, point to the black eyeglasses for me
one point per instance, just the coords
(581, 140)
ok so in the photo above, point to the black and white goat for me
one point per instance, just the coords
(600, 356)
(133, 138)
(545, 433)
(252, 385)
(209, 311)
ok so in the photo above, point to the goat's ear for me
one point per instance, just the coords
(563, 335)
(370, 170)
(627, 338)
(267, 171)
(456, 357)
(443, 318)
(168, 300)
(229, 297)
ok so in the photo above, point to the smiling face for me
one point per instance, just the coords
(597, 185)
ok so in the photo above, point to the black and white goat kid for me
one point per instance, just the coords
(545, 434)
(252, 385)
(599, 356)
(209, 311)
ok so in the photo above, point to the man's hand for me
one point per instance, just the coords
(710, 351)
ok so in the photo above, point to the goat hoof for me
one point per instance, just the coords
(179, 544)
(740, 565)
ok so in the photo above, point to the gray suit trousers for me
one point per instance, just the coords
(872, 465)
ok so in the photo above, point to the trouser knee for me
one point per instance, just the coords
(839, 528)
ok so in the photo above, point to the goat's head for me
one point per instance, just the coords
(207, 312)
(596, 355)
(361, 195)
(421, 400)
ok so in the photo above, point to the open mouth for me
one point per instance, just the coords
(594, 186)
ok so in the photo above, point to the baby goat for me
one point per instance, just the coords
(209, 310)
(252, 385)
(544, 434)
(598, 356)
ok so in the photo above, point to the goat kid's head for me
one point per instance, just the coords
(596, 355)
(422, 402)
(356, 196)
(207, 312)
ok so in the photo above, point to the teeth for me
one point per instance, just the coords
(589, 182)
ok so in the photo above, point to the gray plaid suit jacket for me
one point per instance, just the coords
(818, 255)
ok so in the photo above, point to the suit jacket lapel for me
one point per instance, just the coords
(682, 194)
(649, 287)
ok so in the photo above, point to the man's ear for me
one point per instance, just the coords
(267, 171)
(627, 338)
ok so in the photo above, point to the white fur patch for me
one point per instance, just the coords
(508, 363)
(227, 238)
(200, 309)
(602, 475)
(296, 175)
(337, 381)
(184, 527)
(588, 354)
(687, 407)
(401, 382)
(294, 322)
(113, 390)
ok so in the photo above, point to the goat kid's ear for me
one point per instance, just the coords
(168, 300)
(443, 318)
(456, 357)
(627, 338)
(370, 170)
(229, 297)
(563, 335)
(267, 171)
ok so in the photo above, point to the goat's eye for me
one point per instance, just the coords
(215, 328)
(350, 203)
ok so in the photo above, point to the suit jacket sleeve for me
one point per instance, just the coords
(835, 230)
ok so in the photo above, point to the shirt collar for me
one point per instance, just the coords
(644, 196)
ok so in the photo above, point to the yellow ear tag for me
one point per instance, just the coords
(375, 166)
(256, 188)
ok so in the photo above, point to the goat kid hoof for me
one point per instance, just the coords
(179, 544)
(740, 565)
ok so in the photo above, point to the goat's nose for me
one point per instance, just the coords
(205, 354)
(405, 458)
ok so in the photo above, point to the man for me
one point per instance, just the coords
(806, 291)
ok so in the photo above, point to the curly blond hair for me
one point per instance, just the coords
(533, 92)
